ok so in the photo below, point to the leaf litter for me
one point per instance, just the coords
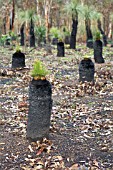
(81, 132)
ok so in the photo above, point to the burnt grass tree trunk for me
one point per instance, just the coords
(22, 34)
(54, 41)
(86, 70)
(102, 32)
(40, 105)
(60, 49)
(74, 32)
(89, 41)
(32, 35)
(98, 47)
(4, 24)
(18, 60)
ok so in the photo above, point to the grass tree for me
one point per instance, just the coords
(87, 12)
(40, 103)
(73, 8)
(102, 31)
(29, 18)
(96, 16)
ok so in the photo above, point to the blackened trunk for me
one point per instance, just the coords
(32, 35)
(40, 105)
(4, 24)
(54, 41)
(74, 32)
(18, 60)
(102, 32)
(67, 39)
(86, 70)
(60, 49)
(89, 42)
(98, 51)
(22, 34)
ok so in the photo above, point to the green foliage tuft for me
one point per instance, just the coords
(97, 35)
(18, 48)
(40, 33)
(39, 69)
(55, 32)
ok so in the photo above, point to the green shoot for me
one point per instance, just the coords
(39, 70)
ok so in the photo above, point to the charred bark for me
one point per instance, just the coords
(86, 70)
(40, 106)
(74, 32)
(60, 49)
(89, 33)
(22, 34)
(32, 35)
(102, 32)
(98, 48)
(4, 25)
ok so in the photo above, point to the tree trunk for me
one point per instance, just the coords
(4, 24)
(18, 60)
(32, 35)
(47, 7)
(98, 48)
(40, 105)
(86, 70)
(102, 32)
(89, 33)
(74, 32)
(12, 16)
(60, 49)
(22, 34)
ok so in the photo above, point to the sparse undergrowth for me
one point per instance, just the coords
(81, 121)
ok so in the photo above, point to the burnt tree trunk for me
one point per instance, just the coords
(22, 34)
(32, 35)
(40, 105)
(89, 40)
(102, 32)
(4, 25)
(60, 49)
(74, 32)
(86, 70)
(18, 60)
(98, 52)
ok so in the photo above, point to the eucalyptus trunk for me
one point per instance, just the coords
(74, 32)
(47, 7)
(12, 16)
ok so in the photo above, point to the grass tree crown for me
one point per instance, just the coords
(18, 48)
(39, 71)
(97, 35)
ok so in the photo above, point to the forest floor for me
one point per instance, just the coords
(81, 132)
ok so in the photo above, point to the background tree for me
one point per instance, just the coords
(72, 9)
(87, 12)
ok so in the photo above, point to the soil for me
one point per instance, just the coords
(81, 132)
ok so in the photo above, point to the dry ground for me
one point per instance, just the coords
(81, 132)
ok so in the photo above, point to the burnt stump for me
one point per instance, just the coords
(60, 49)
(98, 47)
(18, 60)
(86, 70)
(40, 105)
